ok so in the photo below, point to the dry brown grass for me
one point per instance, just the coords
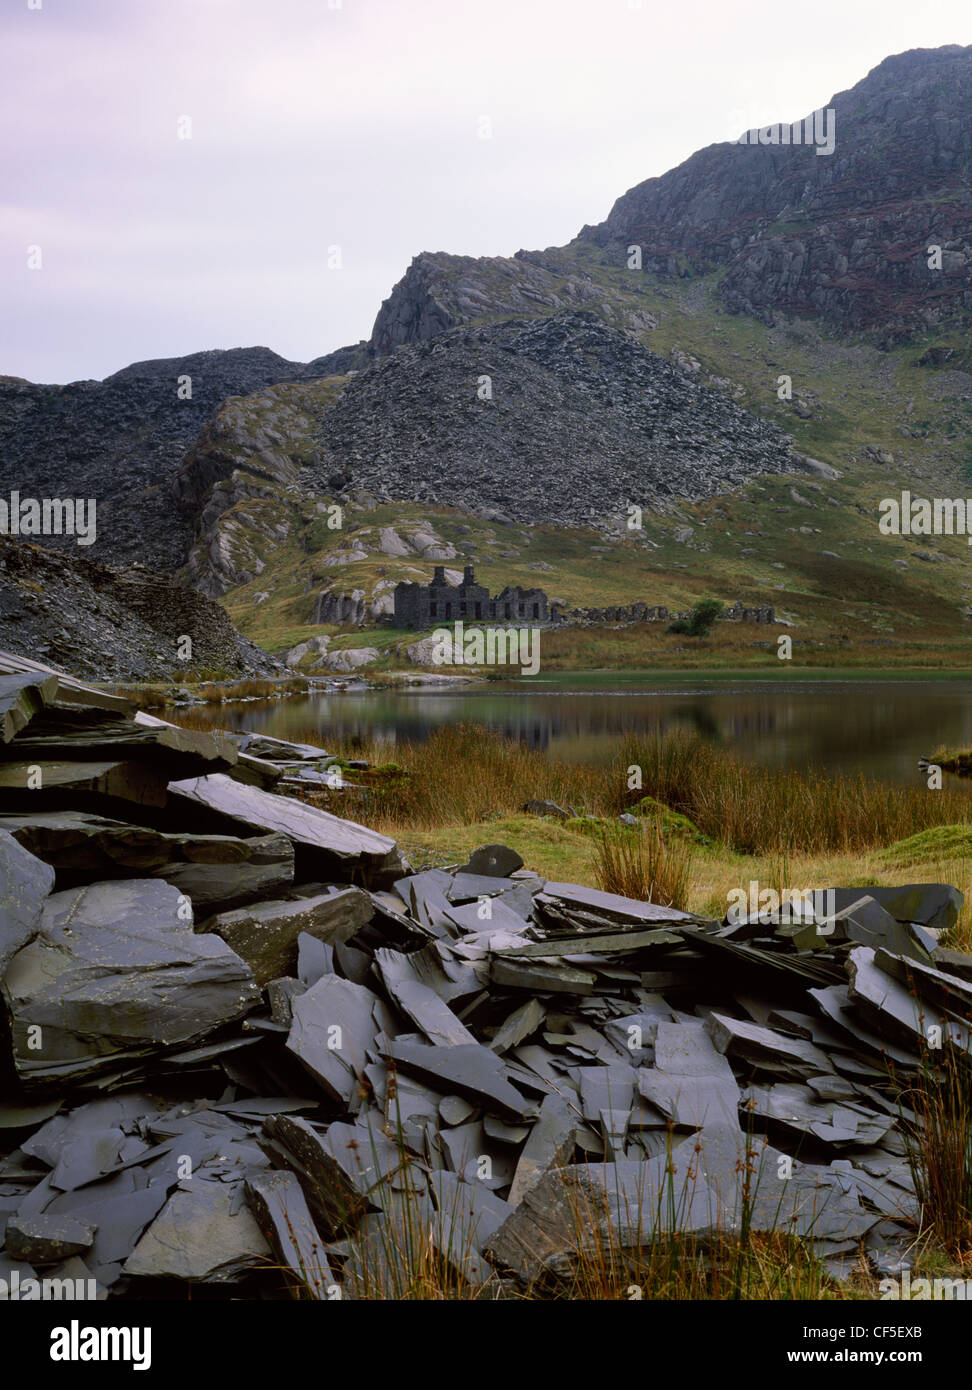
(465, 774)
(646, 865)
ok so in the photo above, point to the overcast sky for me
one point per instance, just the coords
(357, 124)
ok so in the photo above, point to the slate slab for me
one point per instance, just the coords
(62, 782)
(25, 883)
(471, 1070)
(116, 971)
(601, 911)
(935, 905)
(332, 1185)
(281, 1212)
(766, 1050)
(332, 1031)
(341, 841)
(42, 1240)
(867, 923)
(430, 1013)
(22, 696)
(176, 751)
(265, 934)
(255, 868)
(890, 1007)
(204, 1234)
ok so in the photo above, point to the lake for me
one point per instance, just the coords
(879, 726)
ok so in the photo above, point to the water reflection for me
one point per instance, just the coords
(882, 728)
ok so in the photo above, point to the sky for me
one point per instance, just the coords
(178, 175)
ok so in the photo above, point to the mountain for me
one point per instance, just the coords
(784, 358)
(844, 235)
(121, 440)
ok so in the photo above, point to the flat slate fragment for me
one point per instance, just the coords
(281, 1212)
(333, 1188)
(888, 1004)
(518, 1026)
(436, 1020)
(778, 1053)
(332, 1031)
(42, 1240)
(611, 907)
(472, 1070)
(202, 1236)
(117, 779)
(550, 1145)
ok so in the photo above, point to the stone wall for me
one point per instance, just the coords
(643, 613)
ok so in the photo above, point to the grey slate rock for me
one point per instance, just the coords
(202, 1235)
(264, 866)
(315, 959)
(766, 1050)
(889, 1006)
(466, 888)
(283, 1216)
(333, 840)
(518, 1026)
(330, 1175)
(471, 1070)
(118, 1210)
(25, 883)
(22, 696)
(867, 923)
(117, 972)
(42, 1239)
(429, 1013)
(935, 905)
(265, 934)
(332, 1031)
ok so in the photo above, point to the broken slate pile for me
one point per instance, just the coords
(247, 1047)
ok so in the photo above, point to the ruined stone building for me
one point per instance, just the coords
(425, 605)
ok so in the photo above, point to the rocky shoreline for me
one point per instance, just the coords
(247, 1047)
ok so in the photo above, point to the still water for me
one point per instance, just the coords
(880, 727)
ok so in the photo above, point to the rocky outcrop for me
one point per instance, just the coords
(439, 292)
(846, 235)
(348, 609)
(114, 624)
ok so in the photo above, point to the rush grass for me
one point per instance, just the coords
(464, 774)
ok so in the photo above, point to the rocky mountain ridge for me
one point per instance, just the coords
(122, 440)
(606, 386)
